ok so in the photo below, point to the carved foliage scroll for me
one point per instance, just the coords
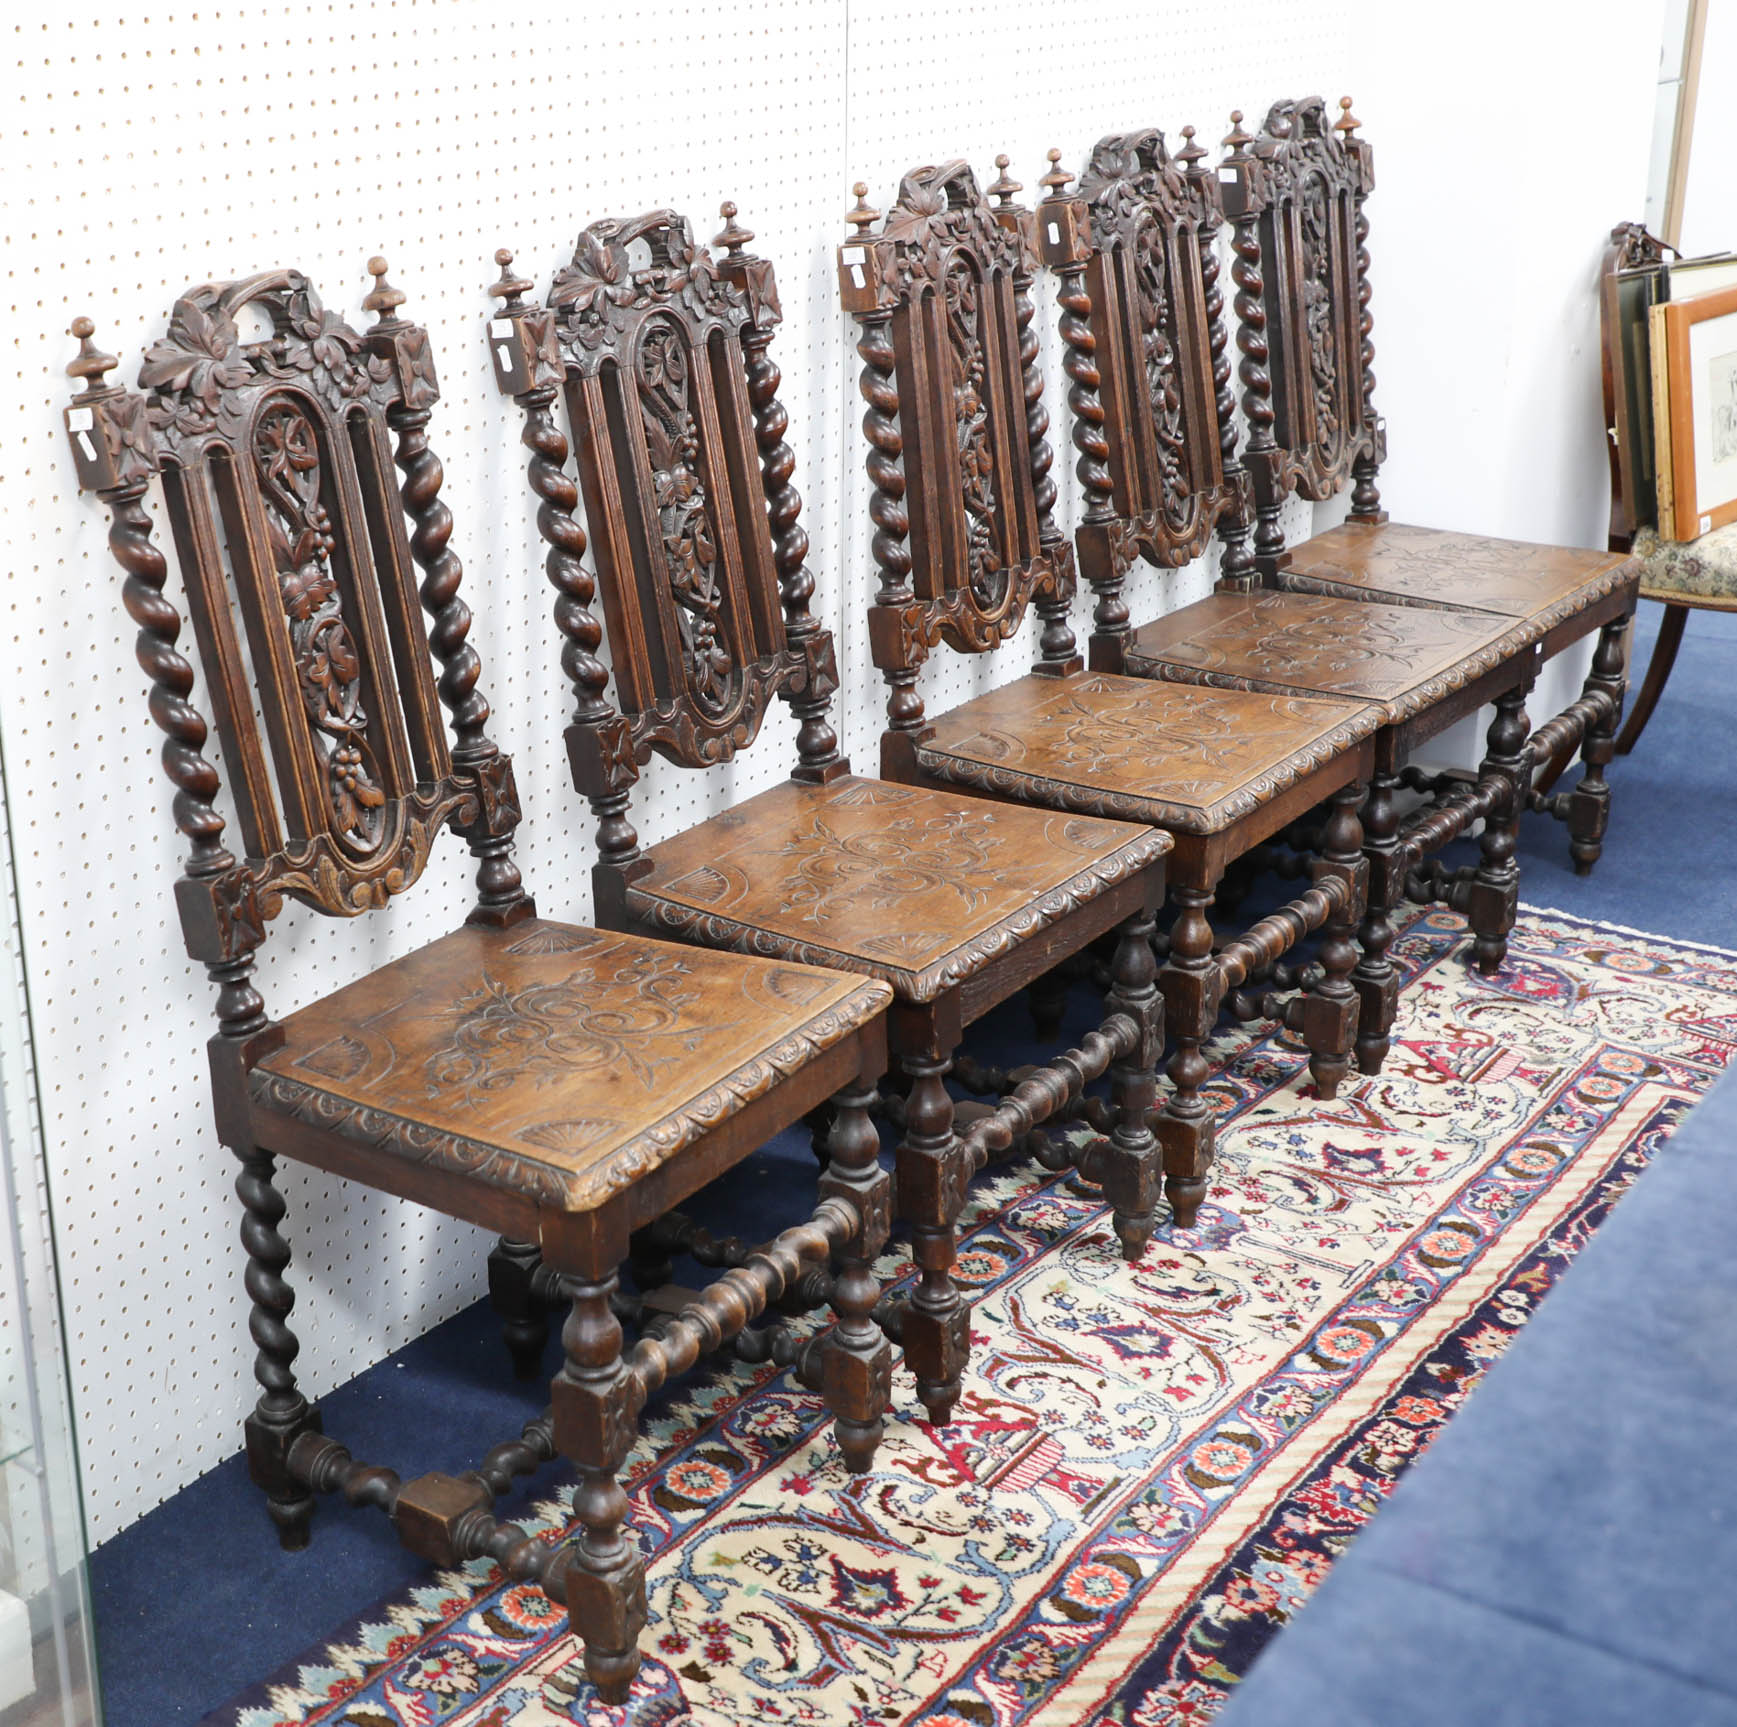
(1297, 191)
(941, 292)
(1149, 222)
(290, 468)
(278, 465)
(969, 373)
(653, 338)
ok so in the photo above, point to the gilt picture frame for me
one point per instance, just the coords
(1698, 432)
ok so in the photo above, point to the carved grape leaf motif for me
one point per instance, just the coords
(193, 366)
(690, 541)
(195, 373)
(1315, 218)
(976, 449)
(287, 460)
(603, 282)
(1158, 357)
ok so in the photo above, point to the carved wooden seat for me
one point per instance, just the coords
(1392, 561)
(563, 1067)
(663, 355)
(1190, 762)
(1296, 196)
(966, 542)
(925, 890)
(1403, 659)
(563, 1085)
(1155, 427)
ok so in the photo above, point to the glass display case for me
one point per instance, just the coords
(47, 1675)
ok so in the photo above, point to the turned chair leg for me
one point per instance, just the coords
(1493, 901)
(1193, 989)
(1658, 675)
(1132, 1167)
(596, 1418)
(932, 1182)
(1375, 978)
(857, 1368)
(1589, 802)
(524, 1319)
(1330, 1013)
(819, 1121)
(282, 1414)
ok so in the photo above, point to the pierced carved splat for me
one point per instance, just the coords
(959, 453)
(328, 666)
(968, 370)
(1295, 193)
(661, 352)
(276, 457)
(1134, 248)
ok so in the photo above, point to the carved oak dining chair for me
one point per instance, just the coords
(966, 542)
(1154, 423)
(664, 358)
(564, 1085)
(1296, 193)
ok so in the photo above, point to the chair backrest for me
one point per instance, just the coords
(958, 448)
(276, 458)
(1629, 279)
(1143, 320)
(1294, 194)
(663, 355)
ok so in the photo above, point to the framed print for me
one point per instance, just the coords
(1695, 412)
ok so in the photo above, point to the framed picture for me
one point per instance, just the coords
(1694, 357)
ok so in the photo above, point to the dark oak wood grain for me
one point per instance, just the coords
(1296, 193)
(561, 1084)
(1403, 658)
(966, 541)
(1400, 564)
(662, 348)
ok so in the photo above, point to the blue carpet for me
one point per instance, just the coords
(195, 1601)
(1564, 1551)
(1668, 861)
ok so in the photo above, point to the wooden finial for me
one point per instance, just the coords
(1347, 122)
(1058, 179)
(509, 287)
(1191, 152)
(385, 299)
(91, 365)
(1002, 187)
(861, 216)
(1238, 140)
(731, 234)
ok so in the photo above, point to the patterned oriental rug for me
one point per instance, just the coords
(1153, 1465)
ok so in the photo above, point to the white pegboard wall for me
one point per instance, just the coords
(149, 153)
(974, 80)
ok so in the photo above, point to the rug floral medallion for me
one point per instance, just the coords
(1152, 1465)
